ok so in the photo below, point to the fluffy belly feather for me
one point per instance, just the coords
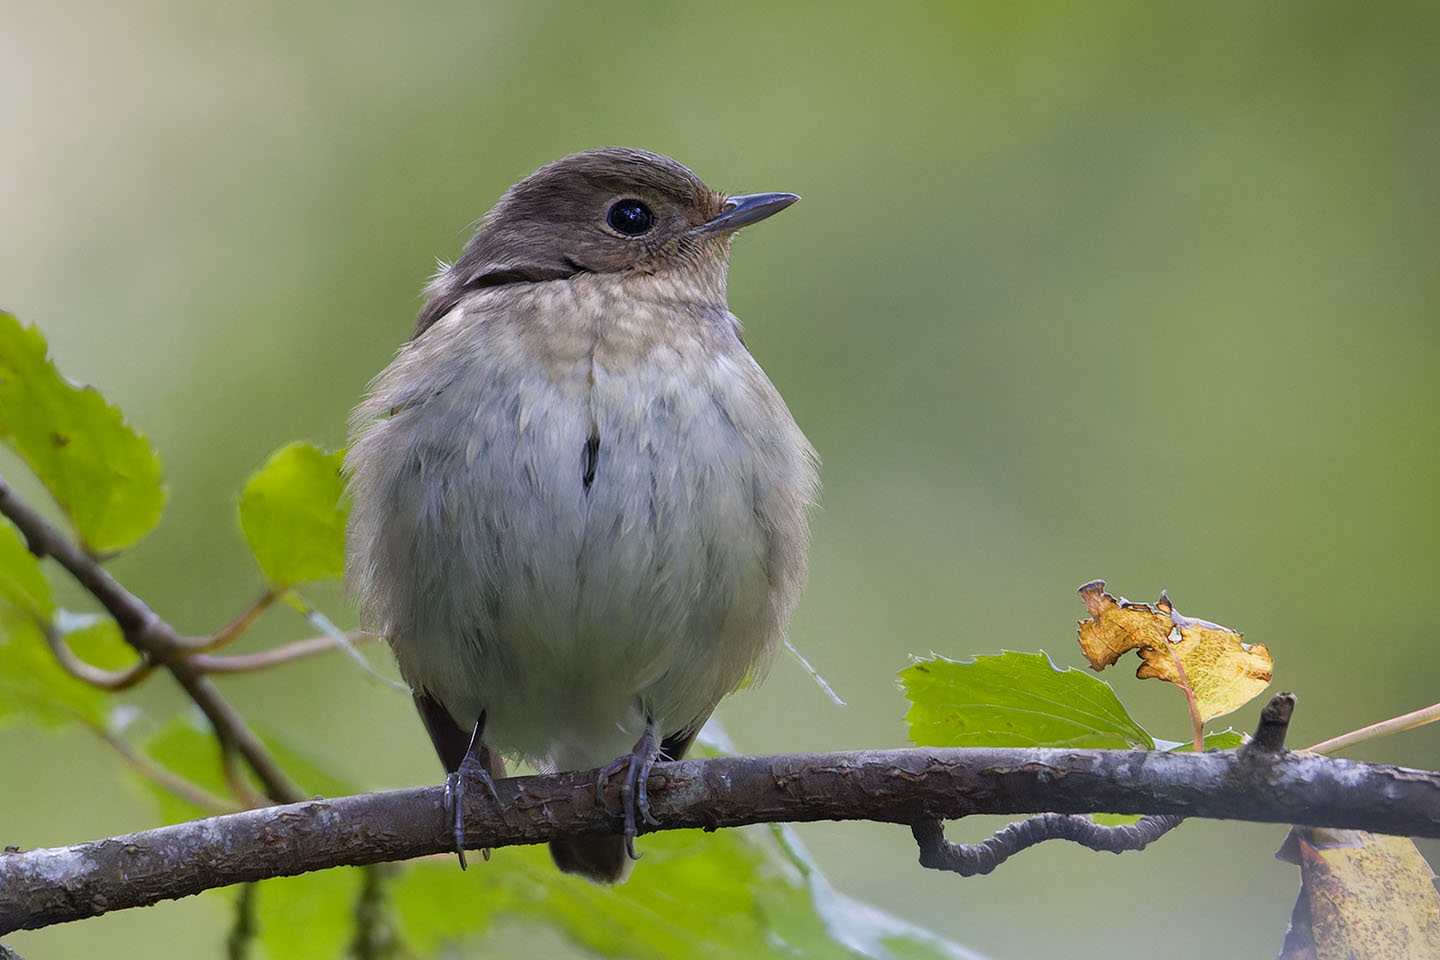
(622, 534)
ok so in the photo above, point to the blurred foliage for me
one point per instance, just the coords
(1135, 288)
(726, 894)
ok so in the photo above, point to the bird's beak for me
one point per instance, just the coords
(744, 210)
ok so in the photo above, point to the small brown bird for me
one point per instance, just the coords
(579, 504)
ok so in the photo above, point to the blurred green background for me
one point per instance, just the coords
(1142, 291)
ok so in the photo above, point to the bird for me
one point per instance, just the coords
(580, 508)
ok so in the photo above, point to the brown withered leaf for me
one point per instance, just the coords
(1362, 896)
(1223, 671)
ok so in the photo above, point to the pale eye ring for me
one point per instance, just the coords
(630, 217)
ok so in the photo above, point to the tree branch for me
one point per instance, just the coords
(41, 887)
(234, 733)
(970, 859)
(141, 625)
(155, 638)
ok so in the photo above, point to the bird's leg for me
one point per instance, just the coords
(473, 765)
(634, 790)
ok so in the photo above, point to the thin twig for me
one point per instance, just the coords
(234, 734)
(374, 927)
(148, 633)
(971, 859)
(242, 932)
(1408, 721)
(111, 680)
(140, 625)
(192, 793)
(233, 630)
(294, 650)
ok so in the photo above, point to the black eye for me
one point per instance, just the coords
(630, 217)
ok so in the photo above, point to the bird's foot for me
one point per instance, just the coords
(634, 795)
(470, 768)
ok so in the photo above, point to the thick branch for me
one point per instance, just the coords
(42, 887)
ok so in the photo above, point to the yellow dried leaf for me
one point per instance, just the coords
(1221, 671)
(1362, 896)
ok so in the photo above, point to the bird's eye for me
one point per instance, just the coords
(630, 217)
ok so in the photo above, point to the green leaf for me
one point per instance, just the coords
(1014, 700)
(105, 476)
(97, 640)
(22, 584)
(293, 512)
(33, 685)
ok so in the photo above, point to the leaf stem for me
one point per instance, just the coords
(1196, 724)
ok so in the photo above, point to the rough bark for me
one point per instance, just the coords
(41, 887)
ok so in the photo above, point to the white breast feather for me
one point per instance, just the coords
(503, 585)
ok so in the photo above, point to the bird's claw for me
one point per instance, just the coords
(634, 791)
(455, 802)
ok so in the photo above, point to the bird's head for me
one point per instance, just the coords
(610, 210)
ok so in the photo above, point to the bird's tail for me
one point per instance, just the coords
(602, 859)
(606, 859)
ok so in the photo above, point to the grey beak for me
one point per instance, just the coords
(746, 209)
